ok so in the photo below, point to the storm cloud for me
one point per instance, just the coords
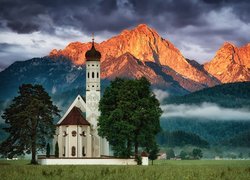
(197, 27)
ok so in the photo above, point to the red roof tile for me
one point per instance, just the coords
(74, 117)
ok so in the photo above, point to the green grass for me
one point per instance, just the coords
(162, 169)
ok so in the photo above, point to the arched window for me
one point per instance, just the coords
(73, 151)
(97, 75)
(83, 151)
(93, 75)
(88, 74)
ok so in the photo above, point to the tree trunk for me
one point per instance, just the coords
(136, 148)
(128, 153)
(33, 152)
(33, 142)
(136, 143)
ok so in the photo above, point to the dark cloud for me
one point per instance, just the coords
(96, 15)
(183, 21)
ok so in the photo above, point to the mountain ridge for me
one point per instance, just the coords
(146, 45)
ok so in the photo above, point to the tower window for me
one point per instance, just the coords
(93, 75)
(88, 74)
(97, 65)
(97, 75)
(73, 151)
(93, 65)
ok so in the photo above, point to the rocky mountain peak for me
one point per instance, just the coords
(230, 63)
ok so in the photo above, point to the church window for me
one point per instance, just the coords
(63, 150)
(97, 65)
(73, 133)
(93, 86)
(73, 151)
(93, 65)
(97, 75)
(88, 74)
(93, 75)
(83, 151)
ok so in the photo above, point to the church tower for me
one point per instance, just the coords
(93, 95)
(93, 85)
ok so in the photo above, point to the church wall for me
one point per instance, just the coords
(92, 161)
(73, 142)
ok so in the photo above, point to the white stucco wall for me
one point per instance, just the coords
(92, 161)
(144, 161)
(77, 141)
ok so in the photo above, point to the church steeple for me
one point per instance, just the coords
(93, 54)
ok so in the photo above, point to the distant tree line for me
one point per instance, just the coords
(180, 138)
(240, 140)
(214, 132)
(196, 153)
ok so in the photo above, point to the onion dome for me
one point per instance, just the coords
(93, 54)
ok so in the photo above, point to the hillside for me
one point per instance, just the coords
(231, 95)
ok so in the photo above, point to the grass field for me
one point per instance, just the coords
(162, 169)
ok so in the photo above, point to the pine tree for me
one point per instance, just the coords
(29, 120)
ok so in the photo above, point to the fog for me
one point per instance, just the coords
(208, 111)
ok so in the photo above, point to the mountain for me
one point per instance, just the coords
(230, 64)
(144, 44)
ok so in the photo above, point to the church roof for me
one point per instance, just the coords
(93, 54)
(74, 117)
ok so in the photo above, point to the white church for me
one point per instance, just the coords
(76, 131)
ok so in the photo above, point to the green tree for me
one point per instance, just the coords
(170, 153)
(29, 120)
(130, 116)
(153, 152)
(57, 150)
(197, 153)
(183, 155)
(48, 150)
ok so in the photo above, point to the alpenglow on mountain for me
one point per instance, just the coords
(142, 52)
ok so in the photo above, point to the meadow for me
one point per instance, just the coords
(162, 169)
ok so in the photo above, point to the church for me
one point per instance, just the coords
(76, 132)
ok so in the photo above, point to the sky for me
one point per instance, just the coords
(32, 28)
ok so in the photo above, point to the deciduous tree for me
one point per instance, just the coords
(130, 116)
